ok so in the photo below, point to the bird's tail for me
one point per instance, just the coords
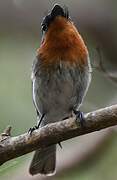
(44, 161)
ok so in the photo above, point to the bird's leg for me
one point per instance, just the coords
(37, 126)
(59, 143)
(80, 116)
(40, 120)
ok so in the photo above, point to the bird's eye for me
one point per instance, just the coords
(44, 27)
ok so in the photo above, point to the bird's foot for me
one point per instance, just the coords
(80, 116)
(37, 126)
(32, 129)
(60, 145)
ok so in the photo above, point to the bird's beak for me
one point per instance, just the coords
(57, 10)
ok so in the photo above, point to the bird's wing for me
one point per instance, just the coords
(35, 67)
(35, 70)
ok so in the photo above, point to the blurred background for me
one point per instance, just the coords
(89, 157)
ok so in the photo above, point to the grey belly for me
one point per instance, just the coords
(57, 94)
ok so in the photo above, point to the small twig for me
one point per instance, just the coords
(56, 132)
(100, 67)
(6, 133)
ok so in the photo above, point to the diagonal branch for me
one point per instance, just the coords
(12, 147)
(101, 68)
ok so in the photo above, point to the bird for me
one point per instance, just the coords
(61, 74)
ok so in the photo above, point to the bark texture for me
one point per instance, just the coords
(13, 147)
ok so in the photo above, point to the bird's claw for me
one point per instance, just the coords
(60, 145)
(32, 129)
(80, 116)
(37, 126)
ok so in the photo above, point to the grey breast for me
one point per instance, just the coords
(60, 90)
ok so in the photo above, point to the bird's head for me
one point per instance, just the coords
(61, 39)
(57, 12)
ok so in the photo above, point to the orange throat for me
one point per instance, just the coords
(63, 42)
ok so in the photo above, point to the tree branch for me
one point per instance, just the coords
(100, 67)
(12, 147)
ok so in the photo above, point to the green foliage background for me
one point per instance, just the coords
(17, 51)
